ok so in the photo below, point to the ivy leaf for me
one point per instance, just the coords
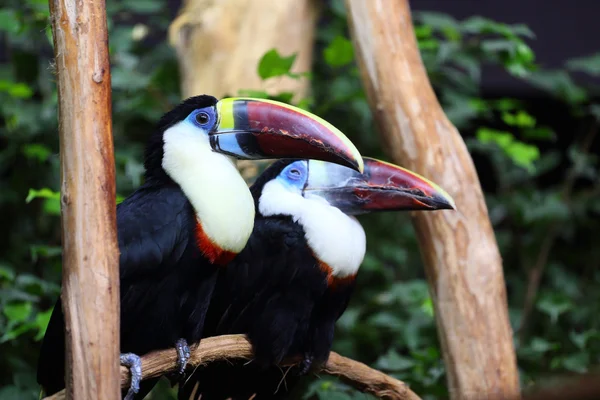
(273, 64)
(340, 52)
(554, 305)
(17, 312)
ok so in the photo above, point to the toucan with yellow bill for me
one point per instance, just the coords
(193, 214)
(294, 279)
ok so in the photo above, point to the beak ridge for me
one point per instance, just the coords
(261, 129)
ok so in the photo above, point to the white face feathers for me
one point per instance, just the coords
(226, 211)
(337, 239)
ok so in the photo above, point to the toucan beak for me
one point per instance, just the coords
(382, 187)
(261, 129)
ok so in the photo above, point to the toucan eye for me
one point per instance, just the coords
(295, 172)
(202, 118)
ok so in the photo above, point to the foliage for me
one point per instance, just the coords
(537, 175)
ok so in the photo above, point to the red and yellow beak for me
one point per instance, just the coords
(382, 187)
(261, 129)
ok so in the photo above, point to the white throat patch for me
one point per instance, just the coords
(212, 183)
(337, 239)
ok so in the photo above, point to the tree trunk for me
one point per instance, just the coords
(461, 257)
(219, 43)
(90, 253)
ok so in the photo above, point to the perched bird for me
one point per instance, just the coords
(193, 214)
(294, 279)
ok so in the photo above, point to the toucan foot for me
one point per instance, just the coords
(183, 355)
(134, 363)
(305, 364)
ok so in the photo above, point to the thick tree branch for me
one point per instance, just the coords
(461, 258)
(230, 347)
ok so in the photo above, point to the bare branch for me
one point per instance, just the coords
(231, 347)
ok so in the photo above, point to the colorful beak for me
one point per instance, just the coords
(382, 187)
(256, 129)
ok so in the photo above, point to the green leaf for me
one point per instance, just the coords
(36, 151)
(523, 154)
(580, 339)
(539, 133)
(43, 193)
(9, 21)
(501, 138)
(480, 25)
(392, 361)
(427, 307)
(553, 305)
(590, 64)
(541, 345)
(17, 312)
(273, 64)
(6, 273)
(521, 119)
(145, 6)
(438, 21)
(577, 362)
(16, 90)
(559, 84)
(340, 52)
(42, 319)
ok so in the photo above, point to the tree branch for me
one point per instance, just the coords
(230, 347)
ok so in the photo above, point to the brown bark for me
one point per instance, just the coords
(220, 42)
(90, 252)
(231, 347)
(460, 253)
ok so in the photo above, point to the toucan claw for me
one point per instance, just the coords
(134, 363)
(183, 355)
(305, 365)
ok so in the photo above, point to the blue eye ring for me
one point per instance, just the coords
(294, 174)
(202, 118)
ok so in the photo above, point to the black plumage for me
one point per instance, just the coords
(277, 292)
(165, 281)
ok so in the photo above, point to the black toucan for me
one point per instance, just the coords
(294, 279)
(193, 214)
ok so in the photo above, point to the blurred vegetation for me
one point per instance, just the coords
(541, 187)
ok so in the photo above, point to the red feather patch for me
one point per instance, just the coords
(333, 281)
(210, 250)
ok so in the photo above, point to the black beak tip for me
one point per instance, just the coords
(442, 203)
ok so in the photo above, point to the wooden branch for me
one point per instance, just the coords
(460, 253)
(230, 347)
(90, 252)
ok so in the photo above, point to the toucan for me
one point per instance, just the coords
(294, 279)
(193, 214)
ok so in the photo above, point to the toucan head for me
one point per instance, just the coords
(381, 187)
(246, 128)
